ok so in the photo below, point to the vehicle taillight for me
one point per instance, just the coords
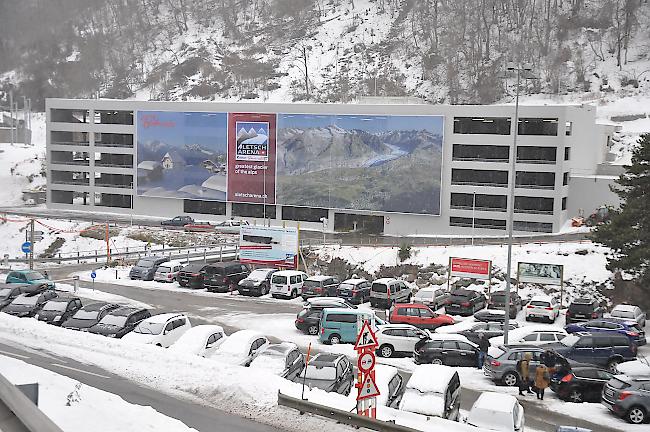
(318, 289)
(196, 274)
(354, 291)
(568, 313)
(593, 315)
(225, 280)
(495, 363)
(322, 330)
(465, 304)
(624, 395)
(567, 378)
(530, 306)
(549, 308)
(632, 334)
(300, 320)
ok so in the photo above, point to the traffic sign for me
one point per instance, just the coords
(366, 338)
(93, 274)
(26, 247)
(38, 236)
(368, 388)
(366, 361)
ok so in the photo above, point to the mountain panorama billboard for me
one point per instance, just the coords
(350, 162)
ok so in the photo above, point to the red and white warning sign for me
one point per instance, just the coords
(368, 388)
(366, 361)
(366, 338)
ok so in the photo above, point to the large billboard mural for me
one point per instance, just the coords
(349, 162)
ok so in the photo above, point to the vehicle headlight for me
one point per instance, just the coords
(112, 335)
(57, 318)
(36, 316)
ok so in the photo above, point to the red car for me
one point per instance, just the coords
(418, 315)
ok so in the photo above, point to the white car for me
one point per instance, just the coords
(398, 338)
(202, 340)
(167, 272)
(287, 283)
(497, 412)
(542, 307)
(531, 335)
(390, 384)
(160, 330)
(432, 390)
(240, 348)
(630, 312)
(230, 226)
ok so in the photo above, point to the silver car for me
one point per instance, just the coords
(501, 362)
(433, 297)
(628, 397)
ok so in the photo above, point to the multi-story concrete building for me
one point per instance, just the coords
(560, 161)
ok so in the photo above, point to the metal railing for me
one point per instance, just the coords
(26, 415)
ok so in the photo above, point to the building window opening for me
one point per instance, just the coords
(482, 125)
(253, 210)
(538, 126)
(204, 207)
(304, 214)
(347, 222)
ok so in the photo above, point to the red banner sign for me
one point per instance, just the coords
(470, 268)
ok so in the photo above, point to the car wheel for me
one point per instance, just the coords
(312, 330)
(334, 339)
(436, 361)
(636, 415)
(294, 294)
(612, 365)
(576, 396)
(510, 379)
(386, 351)
(527, 318)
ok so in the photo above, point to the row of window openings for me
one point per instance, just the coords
(62, 115)
(499, 224)
(97, 198)
(485, 202)
(501, 153)
(82, 178)
(100, 159)
(83, 139)
(501, 126)
(523, 179)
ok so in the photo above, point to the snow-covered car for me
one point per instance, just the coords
(432, 390)
(241, 348)
(398, 338)
(230, 226)
(283, 359)
(390, 385)
(167, 272)
(257, 283)
(329, 372)
(532, 335)
(497, 412)
(201, 340)
(542, 307)
(635, 368)
(160, 330)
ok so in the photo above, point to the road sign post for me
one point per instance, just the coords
(93, 275)
(367, 390)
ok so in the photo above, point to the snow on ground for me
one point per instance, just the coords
(100, 296)
(90, 404)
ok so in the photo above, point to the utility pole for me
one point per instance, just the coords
(108, 245)
(11, 116)
(31, 239)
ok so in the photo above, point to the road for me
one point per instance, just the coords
(200, 417)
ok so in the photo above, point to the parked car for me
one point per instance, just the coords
(398, 339)
(448, 349)
(628, 328)
(433, 390)
(230, 226)
(319, 286)
(160, 330)
(490, 315)
(581, 384)
(583, 309)
(628, 397)
(191, 275)
(489, 329)
(308, 319)
(202, 340)
(8, 292)
(224, 276)
(465, 302)
(146, 267)
(59, 309)
(339, 325)
(329, 372)
(390, 385)
(418, 315)
(498, 301)
(287, 283)
(168, 271)
(434, 297)
(626, 311)
(283, 359)
(89, 315)
(257, 283)
(198, 227)
(599, 349)
(542, 308)
(532, 335)
(500, 364)
(29, 277)
(241, 347)
(120, 321)
(27, 305)
(387, 292)
(178, 221)
(497, 412)
(356, 290)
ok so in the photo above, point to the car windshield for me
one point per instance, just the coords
(215, 271)
(271, 353)
(34, 276)
(258, 274)
(569, 340)
(581, 307)
(345, 286)
(86, 315)
(164, 269)
(499, 297)
(540, 303)
(5, 292)
(55, 306)
(280, 280)
(25, 300)
(460, 297)
(311, 284)
(320, 373)
(114, 320)
(623, 314)
(144, 263)
(149, 328)
(424, 294)
(379, 287)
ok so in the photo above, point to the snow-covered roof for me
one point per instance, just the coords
(216, 182)
(193, 341)
(430, 378)
(318, 278)
(384, 280)
(541, 298)
(239, 342)
(148, 165)
(163, 317)
(287, 273)
(451, 336)
(499, 402)
(624, 307)
(354, 281)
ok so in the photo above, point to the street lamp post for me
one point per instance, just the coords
(473, 214)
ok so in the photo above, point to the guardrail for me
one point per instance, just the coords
(27, 415)
(340, 416)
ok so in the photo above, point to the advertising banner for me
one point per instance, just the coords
(549, 274)
(470, 268)
(251, 158)
(269, 246)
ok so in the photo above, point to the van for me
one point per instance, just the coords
(287, 283)
(497, 411)
(168, 271)
(432, 391)
(339, 325)
(383, 297)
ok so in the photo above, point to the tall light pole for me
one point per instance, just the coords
(473, 214)
(512, 173)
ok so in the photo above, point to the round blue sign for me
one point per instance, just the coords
(93, 274)
(26, 247)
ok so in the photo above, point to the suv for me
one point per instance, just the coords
(329, 372)
(398, 338)
(287, 283)
(498, 301)
(465, 302)
(168, 271)
(387, 292)
(178, 221)
(120, 321)
(318, 286)
(160, 330)
(355, 290)
(599, 349)
(500, 364)
(224, 276)
(58, 310)
(628, 328)
(583, 309)
(447, 349)
(542, 307)
(257, 283)
(489, 329)
(29, 277)
(418, 315)
(629, 312)
(145, 268)
(308, 319)
(191, 276)
(433, 297)
(628, 397)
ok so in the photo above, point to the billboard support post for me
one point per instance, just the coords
(561, 286)
(449, 276)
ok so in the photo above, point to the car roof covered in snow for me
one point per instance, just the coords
(163, 317)
(430, 378)
(493, 401)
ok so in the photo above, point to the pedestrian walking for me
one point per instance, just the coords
(483, 345)
(542, 380)
(523, 366)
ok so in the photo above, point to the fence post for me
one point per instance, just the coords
(205, 260)
(95, 255)
(76, 284)
(78, 260)
(188, 256)
(220, 253)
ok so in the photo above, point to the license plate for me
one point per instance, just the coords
(609, 392)
(581, 316)
(455, 305)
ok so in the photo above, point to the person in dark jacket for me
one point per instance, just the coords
(483, 345)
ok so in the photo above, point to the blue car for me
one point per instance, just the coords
(625, 327)
(28, 277)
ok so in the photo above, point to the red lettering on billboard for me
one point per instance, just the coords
(478, 269)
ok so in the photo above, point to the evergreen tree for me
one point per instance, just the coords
(628, 233)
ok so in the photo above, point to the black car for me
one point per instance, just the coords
(178, 221)
(258, 283)
(88, 316)
(308, 319)
(445, 351)
(146, 267)
(120, 321)
(356, 291)
(498, 301)
(583, 309)
(490, 315)
(319, 286)
(464, 302)
(224, 276)
(598, 349)
(191, 276)
(59, 309)
(489, 329)
(27, 305)
(8, 292)
(581, 384)
(329, 372)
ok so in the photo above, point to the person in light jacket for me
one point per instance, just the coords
(542, 380)
(523, 369)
